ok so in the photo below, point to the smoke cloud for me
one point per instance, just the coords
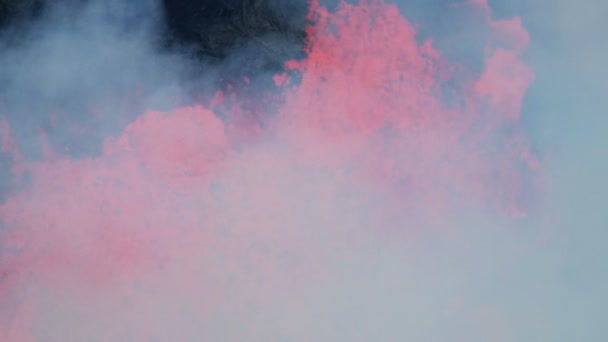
(367, 172)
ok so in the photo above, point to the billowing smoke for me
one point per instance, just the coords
(314, 171)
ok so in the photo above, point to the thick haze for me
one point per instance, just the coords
(78, 58)
(567, 109)
(111, 231)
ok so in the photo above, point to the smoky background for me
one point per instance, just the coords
(98, 65)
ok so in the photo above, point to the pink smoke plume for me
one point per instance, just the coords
(186, 226)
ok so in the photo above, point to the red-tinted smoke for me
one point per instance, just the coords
(375, 111)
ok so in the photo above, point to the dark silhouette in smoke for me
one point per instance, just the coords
(273, 29)
(11, 10)
(217, 26)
